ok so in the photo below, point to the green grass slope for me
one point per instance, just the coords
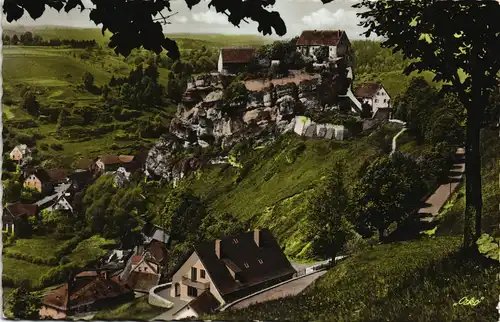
(273, 188)
(406, 281)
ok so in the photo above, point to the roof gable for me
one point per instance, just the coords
(367, 90)
(237, 54)
(253, 264)
(320, 37)
(18, 209)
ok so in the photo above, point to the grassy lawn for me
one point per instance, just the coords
(91, 249)
(40, 246)
(139, 309)
(18, 270)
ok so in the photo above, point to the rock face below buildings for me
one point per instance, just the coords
(203, 120)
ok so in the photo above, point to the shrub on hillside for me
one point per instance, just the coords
(57, 146)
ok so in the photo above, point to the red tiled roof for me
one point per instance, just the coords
(84, 164)
(237, 54)
(18, 209)
(58, 298)
(319, 38)
(367, 90)
(87, 273)
(57, 174)
(143, 282)
(158, 250)
(136, 259)
(115, 159)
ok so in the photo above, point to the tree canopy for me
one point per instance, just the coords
(461, 50)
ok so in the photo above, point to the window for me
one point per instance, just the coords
(192, 291)
(193, 273)
(376, 100)
(246, 265)
(385, 100)
(202, 273)
(260, 261)
(177, 289)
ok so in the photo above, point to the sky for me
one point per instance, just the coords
(298, 15)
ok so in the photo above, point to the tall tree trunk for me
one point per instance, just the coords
(473, 194)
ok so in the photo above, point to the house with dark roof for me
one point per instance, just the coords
(206, 303)
(376, 96)
(87, 291)
(17, 214)
(44, 181)
(232, 267)
(336, 41)
(234, 59)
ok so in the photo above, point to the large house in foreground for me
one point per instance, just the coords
(375, 95)
(229, 269)
(234, 59)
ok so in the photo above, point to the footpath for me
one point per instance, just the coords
(443, 193)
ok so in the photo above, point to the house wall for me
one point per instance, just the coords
(185, 270)
(33, 182)
(381, 100)
(16, 155)
(144, 267)
(186, 312)
(220, 64)
(46, 311)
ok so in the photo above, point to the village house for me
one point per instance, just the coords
(44, 181)
(86, 292)
(144, 274)
(60, 200)
(155, 242)
(376, 96)
(111, 163)
(232, 267)
(336, 40)
(233, 60)
(20, 153)
(15, 215)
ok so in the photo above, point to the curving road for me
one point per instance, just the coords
(288, 289)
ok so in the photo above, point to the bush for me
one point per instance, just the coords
(44, 146)
(56, 146)
(26, 139)
(22, 124)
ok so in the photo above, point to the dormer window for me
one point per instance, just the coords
(246, 265)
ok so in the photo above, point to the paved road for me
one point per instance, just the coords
(442, 194)
(292, 288)
(169, 314)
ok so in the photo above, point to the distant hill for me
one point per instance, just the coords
(209, 40)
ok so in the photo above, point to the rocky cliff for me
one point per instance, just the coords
(271, 108)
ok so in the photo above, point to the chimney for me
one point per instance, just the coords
(217, 248)
(256, 237)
